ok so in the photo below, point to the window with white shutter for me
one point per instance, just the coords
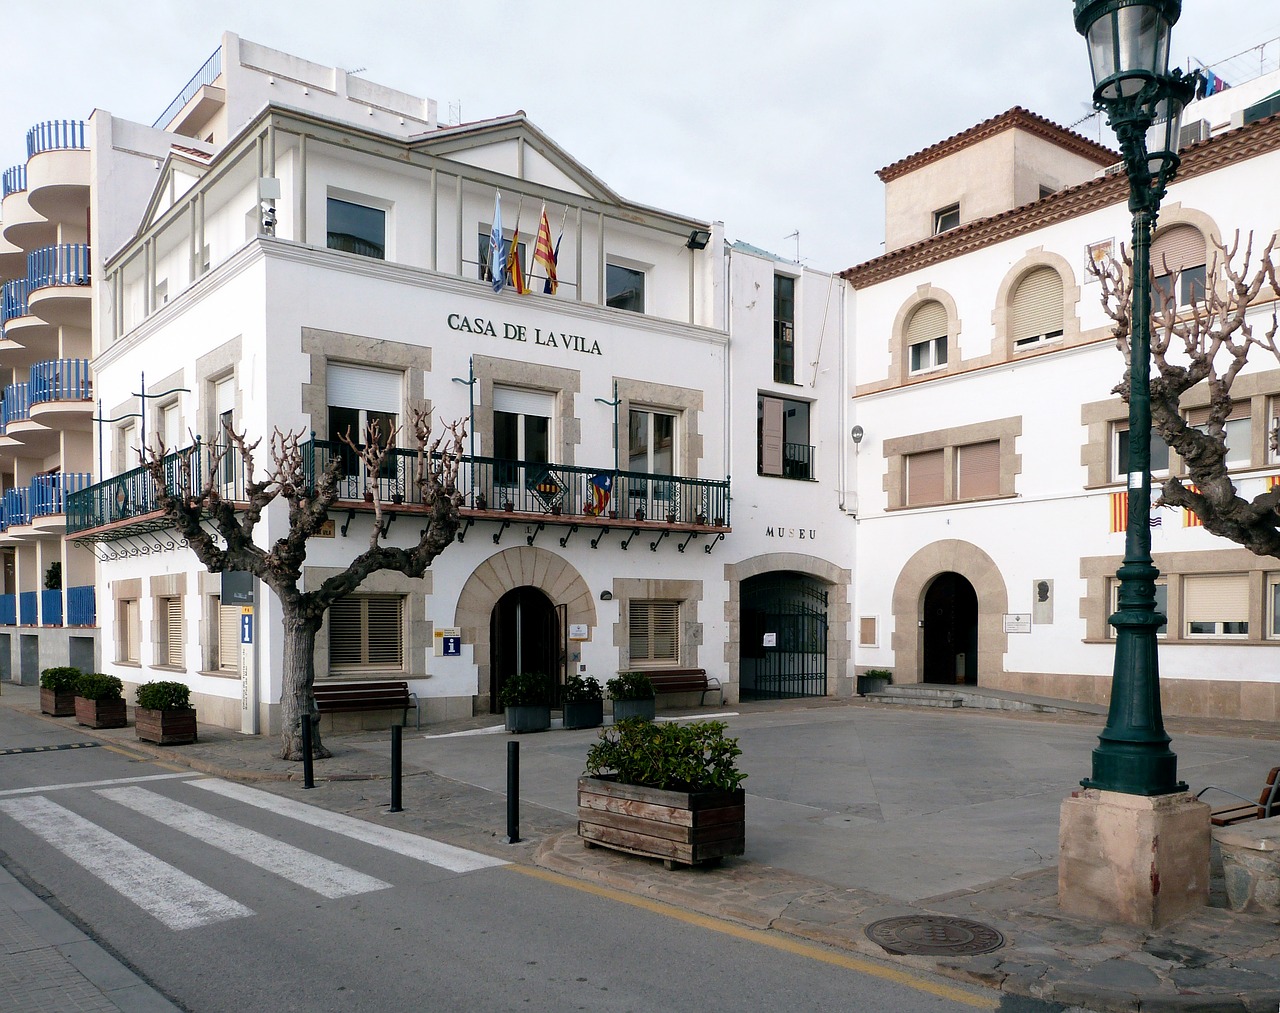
(927, 337)
(1238, 430)
(228, 640)
(654, 628)
(978, 470)
(366, 632)
(924, 478)
(1178, 252)
(1216, 605)
(169, 626)
(128, 631)
(1035, 310)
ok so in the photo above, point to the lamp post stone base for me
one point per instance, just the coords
(1133, 859)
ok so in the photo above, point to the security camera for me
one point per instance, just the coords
(268, 219)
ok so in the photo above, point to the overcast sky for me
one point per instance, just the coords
(769, 116)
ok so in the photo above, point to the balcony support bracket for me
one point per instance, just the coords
(351, 516)
(712, 544)
(595, 542)
(653, 546)
(630, 538)
(462, 535)
(565, 540)
(692, 536)
(530, 538)
(386, 525)
(497, 535)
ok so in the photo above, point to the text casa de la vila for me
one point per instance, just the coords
(519, 332)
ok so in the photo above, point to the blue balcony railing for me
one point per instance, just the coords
(17, 506)
(48, 495)
(15, 179)
(64, 264)
(13, 299)
(8, 610)
(50, 608)
(28, 608)
(82, 606)
(16, 405)
(57, 135)
(60, 380)
(205, 75)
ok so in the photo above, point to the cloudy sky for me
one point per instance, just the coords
(769, 116)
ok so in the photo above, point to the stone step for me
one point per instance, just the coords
(910, 696)
(920, 695)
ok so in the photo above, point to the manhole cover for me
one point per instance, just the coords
(934, 936)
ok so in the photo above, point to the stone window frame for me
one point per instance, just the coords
(896, 452)
(219, 364)
(210, 629)
(899, 351)
(418, 627)
(1098, 573)
(165, 587)
(123, 591)
(1001, 315)
(688, 593)
(686, 403)
(564, 383)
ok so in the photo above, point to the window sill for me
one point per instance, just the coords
(124, 663)
(787, 478)
(169, 668)
(218, 674)
(934, 504)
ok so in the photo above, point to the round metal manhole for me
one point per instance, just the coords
(934, 936)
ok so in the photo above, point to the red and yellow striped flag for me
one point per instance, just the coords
(1189, 518)
(1119, 511)
(515, 269)
(544, 253)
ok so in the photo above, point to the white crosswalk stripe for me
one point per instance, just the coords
(329, 879)
(176, 899)
(446, 856)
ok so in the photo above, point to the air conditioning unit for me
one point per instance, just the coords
(1193, 133)
(1113, 170)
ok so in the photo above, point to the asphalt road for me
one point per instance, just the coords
(229, 898)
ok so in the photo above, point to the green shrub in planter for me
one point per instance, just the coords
(528, 689)
(873, 680)
(630, 686)
(578, 688)
(164, 696)
(62, 679)
(675, 757)
(583, 702)
(97, 686)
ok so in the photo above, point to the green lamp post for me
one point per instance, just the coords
(1129, 52)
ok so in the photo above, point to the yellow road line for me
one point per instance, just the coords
(774, 940)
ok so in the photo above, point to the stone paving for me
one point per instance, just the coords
(1216, 959)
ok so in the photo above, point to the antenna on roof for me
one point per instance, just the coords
(354, 70)
(796, 236)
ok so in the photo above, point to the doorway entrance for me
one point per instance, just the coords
(784, 637)
(526, 634)
(950, 631)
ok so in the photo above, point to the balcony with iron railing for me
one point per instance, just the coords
(202, 78)
(61, 394)
(493, 490)
(59, 278)
(15, 405)
(15, 179)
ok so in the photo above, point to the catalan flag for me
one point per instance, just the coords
(515, 269)
(545, 255)
(600, 487)
(1119, 511)
(1189, 518)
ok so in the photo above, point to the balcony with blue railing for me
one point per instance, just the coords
(493, 490)
(16, 405)
(50, 608)
(60, 390)
(48, 493)
(13, 299)
(82, 607)
(17, 506)
(8, 610)
(66, 264)
(15, 179)
(29, 608)
(57, 135)
(203, 77)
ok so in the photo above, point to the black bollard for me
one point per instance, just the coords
(308, 774)
(513, 794)
(395, 769)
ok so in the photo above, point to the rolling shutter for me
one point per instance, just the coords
(537, 403)
(927, 322)
(1177, 249)
(978, 470)
(1200, 416)
(1220, 598)
(1037, 305)
(924, 478)
(374, 390)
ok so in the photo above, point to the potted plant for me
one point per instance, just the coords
(508, 506)
(683, 777)
(639, 513)
(58, 691)
(633, 696)
(100, 701)
(583, 702)
(527, 702)
(482, 501)
(874, 680)
(164, 714)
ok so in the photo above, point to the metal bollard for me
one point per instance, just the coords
(308, 774)
(396, 731)
(513, 794)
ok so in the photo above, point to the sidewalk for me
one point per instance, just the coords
(1214, 960)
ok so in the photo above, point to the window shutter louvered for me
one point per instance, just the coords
(173, 632)
(228, 638)
(1036, 305)
(1200, 416)
(1177, 249)
(374, 390)
(654, 631)
(344, 633)
(1219, 598)
(978, 470)
(384, 632)
(928, 321)
(771, 436)
(924, 477)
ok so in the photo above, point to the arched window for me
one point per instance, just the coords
(1178, 258)
(927, 338)
(1035, 308)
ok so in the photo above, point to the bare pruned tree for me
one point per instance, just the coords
(220, 530)
(1207, 342)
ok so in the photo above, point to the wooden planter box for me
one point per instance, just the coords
(686, 828)
(60, 705)
(530, 718)
(173, 727)
(583, 713)
(101, 713)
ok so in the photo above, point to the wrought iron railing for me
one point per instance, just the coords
(15, 179)
(205, 75)
(13, 299)
(797, 460)
(82, 606)
(16, 405)
(57, 135)
(29, 608)
(8, 610)
(487, 484)
(64, 264)
(60, 380)
(50, 608)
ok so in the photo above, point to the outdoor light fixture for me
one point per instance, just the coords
(1129, 53)
(698, 239)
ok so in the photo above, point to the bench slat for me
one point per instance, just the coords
(346, 697)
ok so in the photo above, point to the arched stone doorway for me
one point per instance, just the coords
(950, 631)
(784, 637)
(525, 635)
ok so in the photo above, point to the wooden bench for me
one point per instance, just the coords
(684, 680)
(343, 697)
(1268, 803)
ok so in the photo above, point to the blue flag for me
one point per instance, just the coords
(497, 263)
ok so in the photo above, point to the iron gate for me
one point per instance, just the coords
(784, 637)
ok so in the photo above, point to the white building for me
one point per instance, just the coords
(312, 254)
(990, 520)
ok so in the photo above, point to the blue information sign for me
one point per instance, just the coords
(452, 647)
(246, 627)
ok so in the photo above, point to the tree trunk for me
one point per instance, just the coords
(296, 696)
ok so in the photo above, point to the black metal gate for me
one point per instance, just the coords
(784, 637)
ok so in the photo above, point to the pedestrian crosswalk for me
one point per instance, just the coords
(181, 901)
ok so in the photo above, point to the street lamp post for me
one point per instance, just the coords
(1129, 54)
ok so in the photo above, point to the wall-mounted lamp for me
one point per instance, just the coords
(698, 239)
(857, 433)
(606, 596)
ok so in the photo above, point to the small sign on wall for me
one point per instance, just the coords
(579, 631)
(1017, 622)
(448, 642)
(770, 640)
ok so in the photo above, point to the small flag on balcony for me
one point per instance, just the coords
(1272, 482)
(600, 488)
(1189, 518)
(494, 262)
(544, 254)
(1119, 511)
(514, 268)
